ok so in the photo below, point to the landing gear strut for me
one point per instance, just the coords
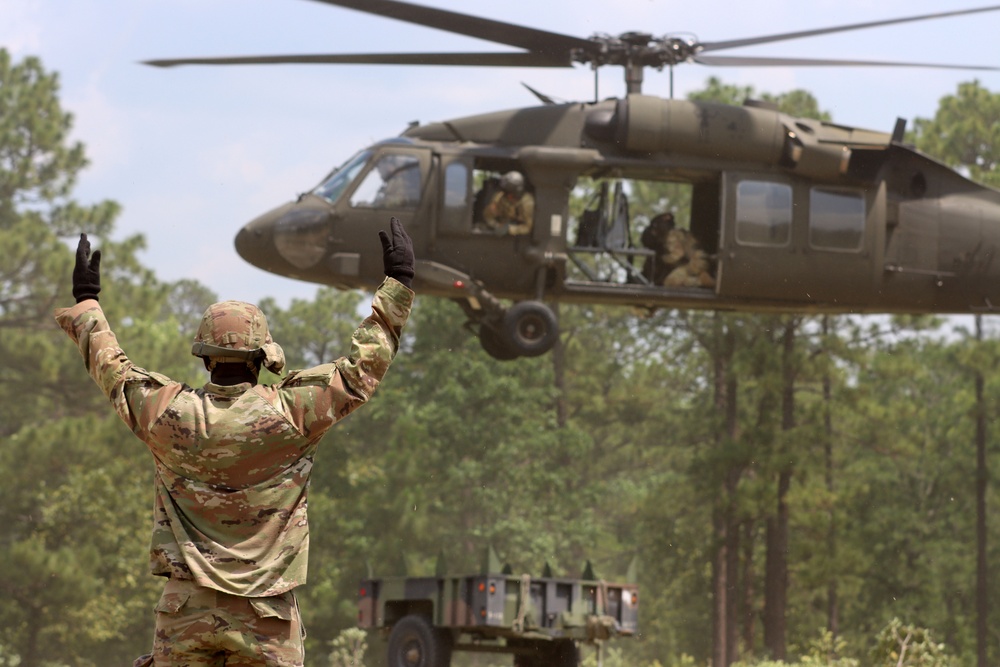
(526, 329)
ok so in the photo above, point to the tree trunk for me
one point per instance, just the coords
(559, 375)
(732, 573)
(31, 656)
(776, 568)
(982, 593)
(776, 574)
(720, 590)
(747, 581)
(832, 605)
(724, 524)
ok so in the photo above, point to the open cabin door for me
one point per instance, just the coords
(789, 240)
(458, 236)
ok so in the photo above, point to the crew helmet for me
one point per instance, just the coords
(234, 332)
(512, 182)
(663, 221)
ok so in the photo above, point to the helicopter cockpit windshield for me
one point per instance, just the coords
(393, 181)
(334, 185)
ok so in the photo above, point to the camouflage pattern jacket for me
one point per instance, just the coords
(233, 462)
(517, 212)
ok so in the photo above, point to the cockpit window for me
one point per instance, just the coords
(333, 185)
(394, 182)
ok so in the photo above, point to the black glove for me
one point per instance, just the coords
(87, 272)
(397, 254)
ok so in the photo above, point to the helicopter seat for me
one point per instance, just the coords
(616, 231)
(594, 220)
(592, 224)
(483, 197)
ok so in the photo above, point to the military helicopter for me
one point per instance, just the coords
(788, 214)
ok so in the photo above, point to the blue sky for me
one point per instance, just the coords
(194, 153)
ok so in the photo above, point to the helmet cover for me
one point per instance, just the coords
(240, 328)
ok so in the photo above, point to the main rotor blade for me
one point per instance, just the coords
(717, 46)
(540, 41)
(512, 59)
(747, 61)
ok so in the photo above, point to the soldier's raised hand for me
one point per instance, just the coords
(86, 272)
(397, 253)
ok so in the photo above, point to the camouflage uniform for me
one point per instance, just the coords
(690, 265)
(232, 466)
(517, 213)
(679, 262)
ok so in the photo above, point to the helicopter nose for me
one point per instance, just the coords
(289, 238)
(255, 242)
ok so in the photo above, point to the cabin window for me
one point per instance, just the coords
(836, 219)
(455, 213)
(393, 182)
(763, 213)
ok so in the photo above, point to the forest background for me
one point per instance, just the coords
(794, 487)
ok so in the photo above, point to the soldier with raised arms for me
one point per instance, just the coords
(232, 462)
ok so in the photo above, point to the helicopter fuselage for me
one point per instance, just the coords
(796, 215)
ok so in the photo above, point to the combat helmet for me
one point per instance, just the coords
(512, 182)
(234, 332)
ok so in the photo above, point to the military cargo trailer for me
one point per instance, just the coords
(541, 621)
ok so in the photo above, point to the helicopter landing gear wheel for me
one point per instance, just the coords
(495, 344)
(530, 328)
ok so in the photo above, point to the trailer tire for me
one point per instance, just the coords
(542, 653)
(530, 328)
(530, 653)
(413, 642)
(565, 653)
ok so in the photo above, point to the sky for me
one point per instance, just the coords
(194, 153)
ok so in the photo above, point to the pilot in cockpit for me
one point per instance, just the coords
(400, 182)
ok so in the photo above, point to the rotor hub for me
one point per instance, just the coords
(637, 49)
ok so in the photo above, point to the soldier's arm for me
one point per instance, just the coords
(491, 214)
(318, 397)
(527, 211)
(139, 397)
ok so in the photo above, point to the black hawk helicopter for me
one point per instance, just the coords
(786, 214)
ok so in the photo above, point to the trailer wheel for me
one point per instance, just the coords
(539, 653)
(565, 653)
(413, 642)
(531, 653)
(530, 328)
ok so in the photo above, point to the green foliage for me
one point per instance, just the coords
(348, 649)
(619, 447)
(906, 645)
(827, 651)
(611, 656)
(74, 482)
(965, 132)
(315, 331)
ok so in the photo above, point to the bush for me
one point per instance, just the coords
(899, 645)
(348, 649)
